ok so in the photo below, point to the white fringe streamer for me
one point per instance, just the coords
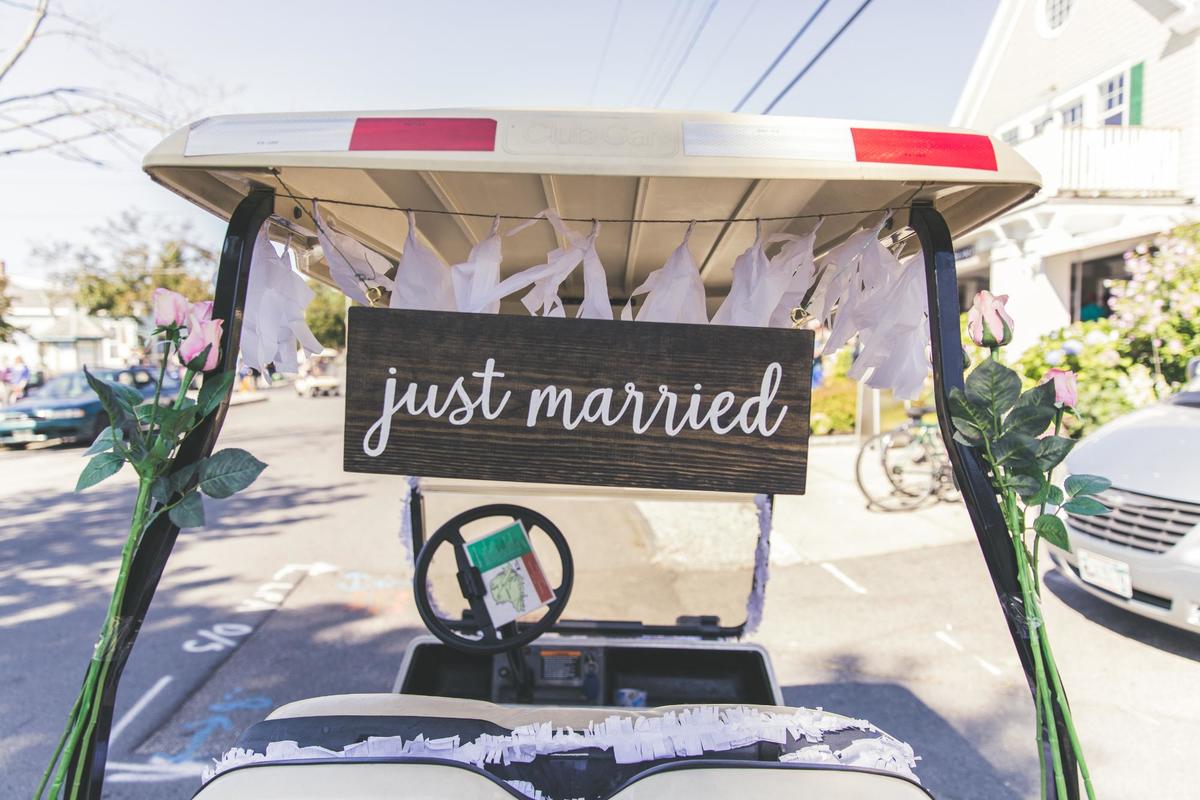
(690, 732)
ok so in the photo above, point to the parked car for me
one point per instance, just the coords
(1144, 555)
(65, 408)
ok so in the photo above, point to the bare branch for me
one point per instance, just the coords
(39, 16)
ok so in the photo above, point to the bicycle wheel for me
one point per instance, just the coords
(945, 486)
(896, 470)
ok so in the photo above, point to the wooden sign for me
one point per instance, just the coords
(596, 402)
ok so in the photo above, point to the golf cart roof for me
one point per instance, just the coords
(612, 165)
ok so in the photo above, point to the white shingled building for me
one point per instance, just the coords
(1103, 97)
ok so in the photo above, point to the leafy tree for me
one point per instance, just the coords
(6, 327)
(326, 316)
(116, 272)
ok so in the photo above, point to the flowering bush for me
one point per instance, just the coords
(1017, 435)
(147, 435)
(1139, 354)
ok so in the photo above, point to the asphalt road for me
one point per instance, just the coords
(299, 587)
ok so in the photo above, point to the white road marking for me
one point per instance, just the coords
(139, 707)
(989, 666)
(849, 582)
(948, 640)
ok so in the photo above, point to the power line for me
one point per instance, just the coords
(612, 26)
(687, 51)
(817, 57)
(716, 60)
(807, 24)
(659, 55)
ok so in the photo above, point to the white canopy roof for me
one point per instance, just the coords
(611, 165)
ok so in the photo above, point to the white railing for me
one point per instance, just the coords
(1109, 161)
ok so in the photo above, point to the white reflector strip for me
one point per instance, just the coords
(225, 135)
(809, 141)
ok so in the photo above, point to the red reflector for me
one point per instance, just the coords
(423, 133)
(969, 150)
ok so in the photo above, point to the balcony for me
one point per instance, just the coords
(1109, 161)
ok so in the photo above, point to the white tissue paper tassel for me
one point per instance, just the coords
(794, 258)
(543, 299)
(274, 323)
(476, 279)
(354, 267)
(422, 281)
(757, 295)
(894, 333)
(674, 292)
(762, 561)
(855, 262)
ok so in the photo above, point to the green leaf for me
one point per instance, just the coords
(958, 437)
(1083, 485)
(181, 479)
(1052, 530)
(1040, 395)
(100, 467)
(214, 390)
(1028, 419)
(109, 438)
(1026, 485)
(1051, 450)
(1048, 494)
(113, 397)
(160, 489)
(1016, 450)
(972, 421)
(993, 386)
(229, 471)
(1085, 506)
(189, 513)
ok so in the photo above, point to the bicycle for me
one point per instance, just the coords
(902, 468)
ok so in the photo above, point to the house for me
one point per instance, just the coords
(55, 336)
(1103, 98)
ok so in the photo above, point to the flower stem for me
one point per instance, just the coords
(84, 718)
(1061, 696)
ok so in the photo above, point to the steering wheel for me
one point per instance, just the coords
(507, 637)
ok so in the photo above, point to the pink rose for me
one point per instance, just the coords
(201, 334)
(988, 324)
(202, 310)
(170, 308)
(1066, 389)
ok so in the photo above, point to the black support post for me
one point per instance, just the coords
(229, 300)
(978, 494)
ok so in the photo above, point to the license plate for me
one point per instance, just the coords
(23, 436)
(1105, 573)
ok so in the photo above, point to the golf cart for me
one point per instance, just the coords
(318, 375)
(526, 701)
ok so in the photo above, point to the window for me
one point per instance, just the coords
(1054, 14)
(1112, 100)
(1072, 114)
(1010, 136)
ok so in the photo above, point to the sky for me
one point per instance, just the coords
(901, 60)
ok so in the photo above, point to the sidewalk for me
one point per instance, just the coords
(831, 521)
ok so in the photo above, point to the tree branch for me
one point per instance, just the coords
(39, 16)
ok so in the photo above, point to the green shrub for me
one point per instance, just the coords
(833, 406)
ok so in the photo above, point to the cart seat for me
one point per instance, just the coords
(338, 721)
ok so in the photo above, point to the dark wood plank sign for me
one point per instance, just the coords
(595, 402)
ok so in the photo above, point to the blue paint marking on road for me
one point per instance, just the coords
(203, 729)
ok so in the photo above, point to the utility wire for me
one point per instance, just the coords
(817, 57)
(612, 26)
(667, 39)
(807, 24)
(720, 56)
(687, 51)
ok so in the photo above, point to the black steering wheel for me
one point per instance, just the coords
(492, 640)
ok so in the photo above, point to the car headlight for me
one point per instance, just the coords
(60, 413)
